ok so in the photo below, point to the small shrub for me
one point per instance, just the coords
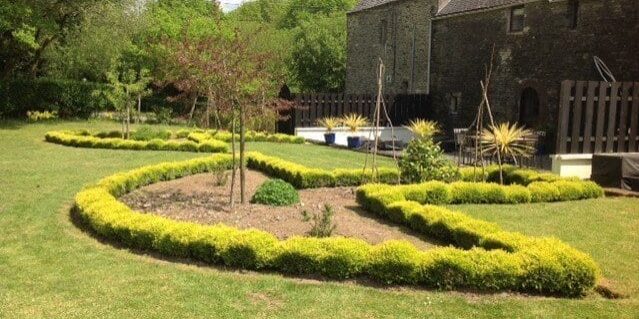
(276, 192)
(183, 133)
(220, 177)
(424, 161)
(323, 225)
(147, 133)
(37, 116)
(108, 134)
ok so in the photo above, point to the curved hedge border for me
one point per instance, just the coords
(553, 189)
(88, 141)
(438, 193)
(198, 140)
(302, 177)
(499, 260)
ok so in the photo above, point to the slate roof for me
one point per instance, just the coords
(463, 6)
(452, 7)
(367, 4)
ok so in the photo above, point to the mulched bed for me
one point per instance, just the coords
(197, 199)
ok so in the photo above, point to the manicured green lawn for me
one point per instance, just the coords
(50, 269)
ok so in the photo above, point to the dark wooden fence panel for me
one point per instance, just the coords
(309, 108)
(598, 117)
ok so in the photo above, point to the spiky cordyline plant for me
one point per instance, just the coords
(423, 129)
(354, 122)
(511, 140)
(330, 123)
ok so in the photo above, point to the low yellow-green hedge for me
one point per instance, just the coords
(498, 260)
(80, 139)
(494, 257)
(301, 176)
(556, 189)
(438, 193)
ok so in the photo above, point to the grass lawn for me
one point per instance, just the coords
(50, 269)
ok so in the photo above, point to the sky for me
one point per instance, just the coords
(230, 5)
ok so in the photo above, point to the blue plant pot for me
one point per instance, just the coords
(354, 142)
(329, 138)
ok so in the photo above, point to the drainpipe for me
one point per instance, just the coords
(430, 53)
(412, 65)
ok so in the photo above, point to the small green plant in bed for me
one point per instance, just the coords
(276, 192)
(147, 133)
(424, 159)
(323, 225)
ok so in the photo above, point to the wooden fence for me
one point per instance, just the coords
(598, 117)
(309, 108)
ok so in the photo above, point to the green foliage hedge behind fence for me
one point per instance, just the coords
(70, 99)
(497, 260)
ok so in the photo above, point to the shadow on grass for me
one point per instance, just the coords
(77, 221)
(12, 124)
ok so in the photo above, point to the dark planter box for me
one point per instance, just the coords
(354, 142)
(329, 138)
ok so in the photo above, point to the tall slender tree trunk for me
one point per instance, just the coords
(242, 157)
(234, 161)
(138, 119)
(128, 121)
(192, 112)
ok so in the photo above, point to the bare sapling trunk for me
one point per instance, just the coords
(207, 114)
(139, 115)
(242, 155)
(234, 163)
(378, 108)
(128, 121)
(192, 112)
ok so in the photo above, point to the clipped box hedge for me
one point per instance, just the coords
(438, 193)
(492, 258)
(485, 257)
(85, 140)
(252, 136)
(303, 177)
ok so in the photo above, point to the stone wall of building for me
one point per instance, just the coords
(404, 48)
(547, 52)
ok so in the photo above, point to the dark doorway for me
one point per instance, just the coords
(529, 108)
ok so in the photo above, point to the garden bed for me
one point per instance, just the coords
(481, 257)
(197, 199)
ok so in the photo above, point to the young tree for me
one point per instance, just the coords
(126, 87)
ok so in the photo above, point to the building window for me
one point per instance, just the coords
(529, 108)
(383, 32)
(517, 19)
(572, 14)
(455, 103)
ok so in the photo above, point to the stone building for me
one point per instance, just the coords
(441, 47)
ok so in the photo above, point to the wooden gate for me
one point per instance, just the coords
(598, 117)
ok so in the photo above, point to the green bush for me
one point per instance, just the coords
(276, 192)
(424, 161)
(147, 133)
(70, 99)
(109, 134)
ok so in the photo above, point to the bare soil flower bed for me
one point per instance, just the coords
(197, 199)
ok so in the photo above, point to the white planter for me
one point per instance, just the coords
(572, 165)
(341, 133)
